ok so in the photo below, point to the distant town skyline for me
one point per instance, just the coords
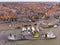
(29, 0)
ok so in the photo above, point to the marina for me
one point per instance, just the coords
(30, 23)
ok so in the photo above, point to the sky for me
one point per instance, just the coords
(29, 0)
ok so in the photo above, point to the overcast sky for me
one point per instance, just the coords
(29, 1)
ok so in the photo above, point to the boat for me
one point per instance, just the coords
(31, 35)
(50, 35)
(12, 37)
(24, 37)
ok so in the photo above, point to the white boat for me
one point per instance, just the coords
(24, 29)
(50, 35)
(11, 37)
(14, 37)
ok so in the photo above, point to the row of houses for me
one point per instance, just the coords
(30, 11)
